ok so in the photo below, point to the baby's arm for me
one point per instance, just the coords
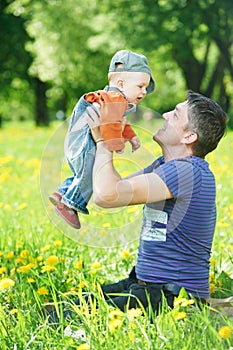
(129, 135)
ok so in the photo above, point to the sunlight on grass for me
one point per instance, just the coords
(41, 265)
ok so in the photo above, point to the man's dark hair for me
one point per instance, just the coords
(207, 120)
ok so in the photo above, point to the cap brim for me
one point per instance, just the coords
(151, 86)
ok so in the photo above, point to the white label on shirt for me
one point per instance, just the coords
(155, 225)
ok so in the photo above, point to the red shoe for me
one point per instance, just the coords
(55, 198)
(68, 214)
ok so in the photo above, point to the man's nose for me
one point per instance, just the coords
(167, 115)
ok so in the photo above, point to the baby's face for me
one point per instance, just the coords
(134, 86)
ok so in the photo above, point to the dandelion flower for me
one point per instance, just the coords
(2, 270)
(79, 265)
(82, 284)
(225, 332)
(96, 265)
(21, 206)
(180, 315)
(58, 243)
(83, 347)
(187, 302)
(212, 288)
(24, 253)
(114, 324)
(8, 207)
(45, 248)
(31, 280)
(13, 311)
(43, 291)
(10, 255)
(47, 268)
(126, 254)
(115, 314)
(212, 262)
(6, 283)
(134, 313)
(24, 269)
(52, 260)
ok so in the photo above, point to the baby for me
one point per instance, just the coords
(130, 79)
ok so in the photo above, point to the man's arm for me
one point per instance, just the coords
(110, 190)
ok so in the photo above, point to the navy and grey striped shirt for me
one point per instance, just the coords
(177, 234)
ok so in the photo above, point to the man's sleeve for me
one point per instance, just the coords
(178, 176)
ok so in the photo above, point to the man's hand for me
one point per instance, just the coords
(92, 118)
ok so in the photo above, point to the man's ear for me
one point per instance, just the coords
(190, 137)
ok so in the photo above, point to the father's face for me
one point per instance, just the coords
(173, 129)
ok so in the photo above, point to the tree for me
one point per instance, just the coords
(196, 34)
(15, 61)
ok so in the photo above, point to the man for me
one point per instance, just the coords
(178, 190)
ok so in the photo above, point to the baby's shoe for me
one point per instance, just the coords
(55, 198)
(68, 214)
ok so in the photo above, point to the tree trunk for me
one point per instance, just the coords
(41, 112)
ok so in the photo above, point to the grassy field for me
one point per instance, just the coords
(42, 260)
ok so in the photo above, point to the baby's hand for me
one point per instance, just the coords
(135, 142)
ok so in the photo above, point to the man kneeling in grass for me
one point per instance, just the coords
(178, 192)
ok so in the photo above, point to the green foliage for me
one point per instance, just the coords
(69, 46)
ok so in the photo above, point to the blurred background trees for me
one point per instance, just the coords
(54, 51)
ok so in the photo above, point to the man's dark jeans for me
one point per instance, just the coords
(132, 293)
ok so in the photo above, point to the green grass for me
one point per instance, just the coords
(34, 240)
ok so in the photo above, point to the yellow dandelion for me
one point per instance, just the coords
(52, 260)
(107, 224)
(212, 262)
(58, 243)
(212, 288)
(39, 258)
(79, 265)
(6, 283)
(10, 255)
(8, 207)
(115, 324)
(12, 271)
(43, 291)
(18, 261)
(180, 315)
(24, 269)
(187, 302)
(131, 335)
(2, 270)
(96, 265)
(21, 206)
(126, 254)
(14, 311)
(6, 159)
(115, 314)
(225, 332)
(24, 254)
(47, 268)
(179, 301)
(212, 275)
(31, 280)
(82, 284)
(46, 248)
(83, 347)
(134, 313)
